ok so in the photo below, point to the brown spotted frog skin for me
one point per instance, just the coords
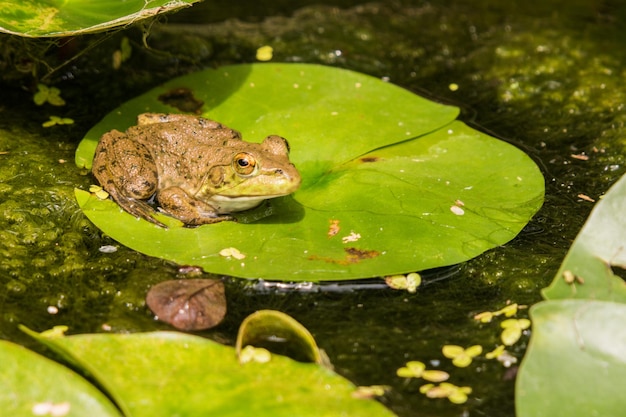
(198, 169)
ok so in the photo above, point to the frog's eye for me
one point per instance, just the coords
(244, 164)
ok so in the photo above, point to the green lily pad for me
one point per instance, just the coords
(31, 384)
(597, 250)
(167, 373)
(391, 182)
(46, 18)
(575, 364)
(578, 334)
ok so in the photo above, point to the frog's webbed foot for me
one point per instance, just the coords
(199, 221)
(177, 203)
(136, 207)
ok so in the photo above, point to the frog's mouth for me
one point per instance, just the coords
(225, 204)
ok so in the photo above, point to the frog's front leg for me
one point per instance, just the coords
(177, 203)
(126, 170)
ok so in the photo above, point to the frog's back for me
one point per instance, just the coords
(178, 138)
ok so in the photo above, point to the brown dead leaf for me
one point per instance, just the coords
(188, 304)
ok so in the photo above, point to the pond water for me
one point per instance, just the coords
(544, 76)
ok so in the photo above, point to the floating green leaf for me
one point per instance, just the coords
(408, 282)
(460, 356)
(391, 183)
(578, 334)
(513, 329)
(167, 373)
(417, 369)
(45, 94)
(576, 361)
(31, 385)
(587, 270)
(456, 394)
(45, 18)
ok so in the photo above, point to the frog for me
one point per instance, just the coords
(192, 168)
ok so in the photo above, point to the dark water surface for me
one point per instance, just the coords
(546, 76)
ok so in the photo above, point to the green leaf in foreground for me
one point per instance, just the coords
(391, 183)
(576, 361)
(166, 373)
(598, 248)
(31, 384)
(41, 18)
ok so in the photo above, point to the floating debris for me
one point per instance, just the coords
(232, 253)
(408, 282)
(252, 354)
(265, 53)
(108, 249)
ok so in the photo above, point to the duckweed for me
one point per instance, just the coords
(460, 356)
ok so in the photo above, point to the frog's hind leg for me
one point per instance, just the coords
(137, 208)
(126, 170)
(177, 203)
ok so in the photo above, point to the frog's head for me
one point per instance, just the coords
(251, 173)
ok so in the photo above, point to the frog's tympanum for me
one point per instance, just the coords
(199, 170)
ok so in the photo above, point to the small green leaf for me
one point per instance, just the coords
(412, 369)
(451, 351)
(371, 391)
(435, 375)
(55, 120)
(408, 282)
(47, 94)
(456, 395)
(264, 53)
(513, 329)
(41, 96)
(499, 350)
(460, 356)
(576, 362)
(54, 97)
(485, 316)
(459, 395)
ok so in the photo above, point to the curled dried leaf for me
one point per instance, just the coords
(278, 333)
